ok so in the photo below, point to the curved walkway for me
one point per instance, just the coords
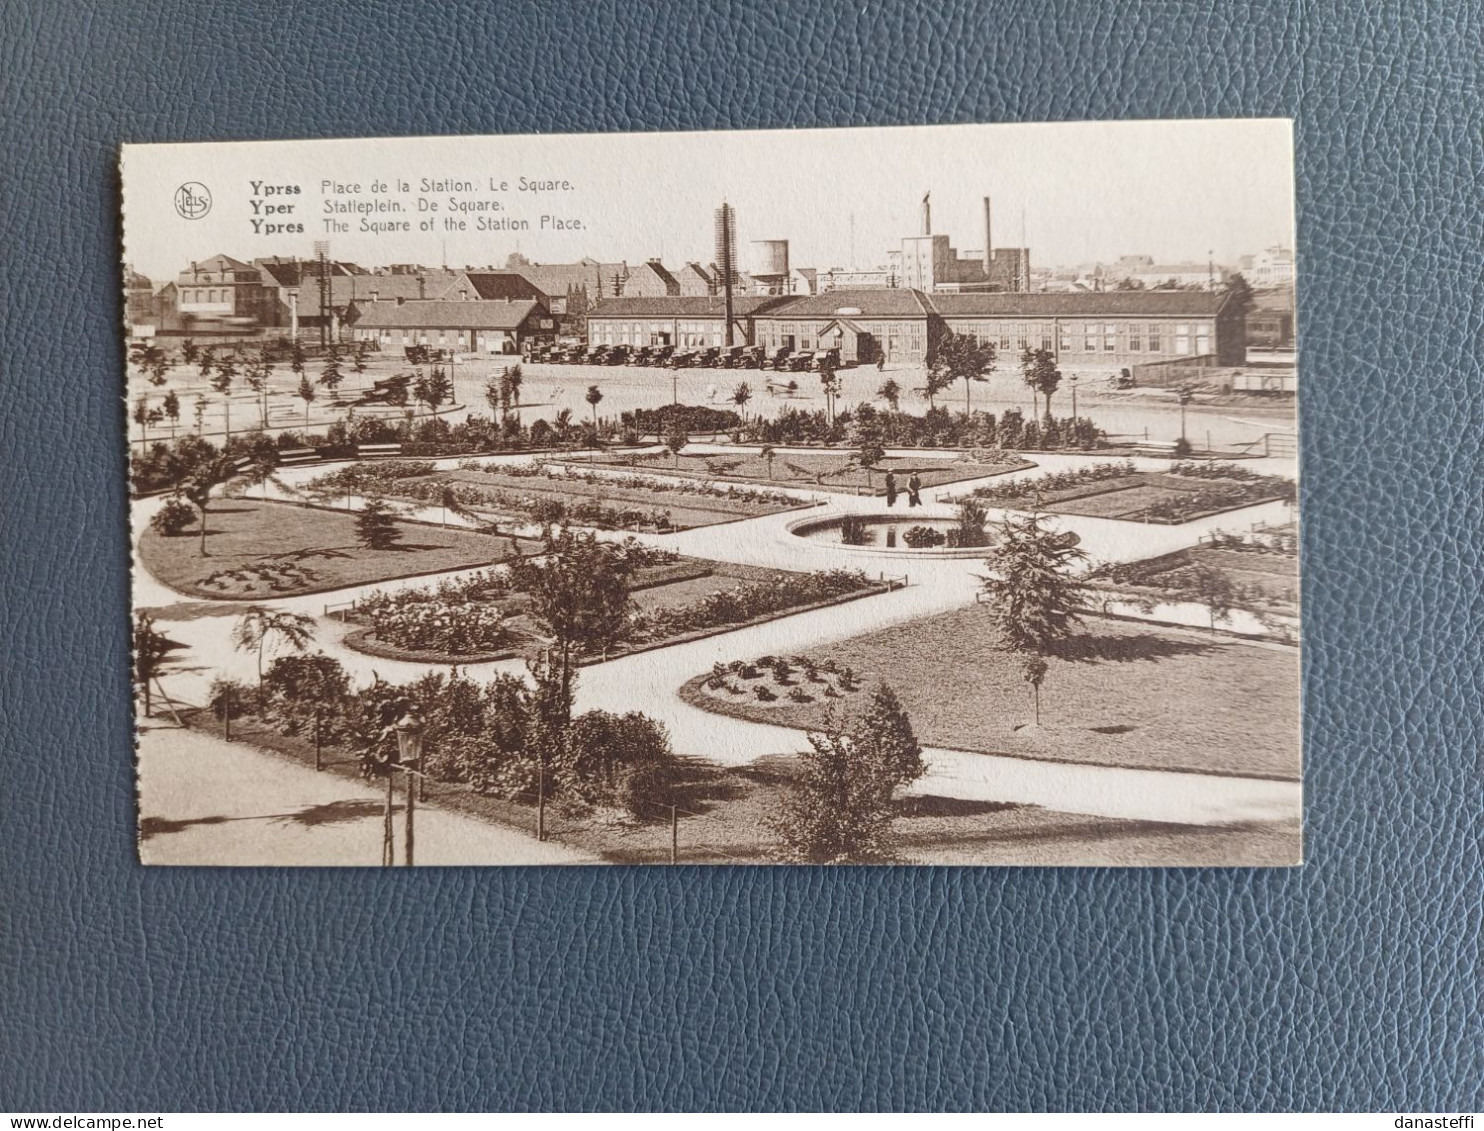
(649, 681)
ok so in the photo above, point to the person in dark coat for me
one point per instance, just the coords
(914, 491)
(891, 489)
(880, 363)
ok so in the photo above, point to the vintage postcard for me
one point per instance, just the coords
(912, 495)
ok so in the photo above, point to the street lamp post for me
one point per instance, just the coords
(1073, 379)
(409, 755)
(1186, 396)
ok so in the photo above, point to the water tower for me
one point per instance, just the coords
(768, 264)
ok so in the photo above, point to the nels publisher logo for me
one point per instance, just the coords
(193, 200)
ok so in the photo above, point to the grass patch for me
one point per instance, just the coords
(1125, 695)
(262, 549)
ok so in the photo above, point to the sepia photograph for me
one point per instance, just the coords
(910, 495)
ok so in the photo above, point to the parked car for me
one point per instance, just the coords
(594, 355)
(823, 358)
(778, 359)
(680, 359)
(752, 357)
(642, 356)
(708, 358)
(731, 357)
(799, 362)
(617, 355)
(661, 355)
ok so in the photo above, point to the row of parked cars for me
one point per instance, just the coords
(707, 357)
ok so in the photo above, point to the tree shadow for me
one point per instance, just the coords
(1148, 647)
(160, 826)
(305, 555)
(333, 813)
(931, 805)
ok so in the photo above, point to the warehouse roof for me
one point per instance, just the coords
(435, 315)
(684, 306)
(1089, 304)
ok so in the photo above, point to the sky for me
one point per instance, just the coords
(1079, 192)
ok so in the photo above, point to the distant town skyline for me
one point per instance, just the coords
(1071, 192)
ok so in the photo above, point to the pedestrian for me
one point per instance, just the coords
(880, 362)
(914, 491)
(891, 489)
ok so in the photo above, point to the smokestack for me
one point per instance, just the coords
(988, 239)
(927, 214)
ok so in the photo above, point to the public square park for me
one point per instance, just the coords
(563, 614)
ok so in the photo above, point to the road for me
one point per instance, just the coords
(210, 802)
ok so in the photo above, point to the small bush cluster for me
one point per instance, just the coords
(1055, 481)
(173, 518)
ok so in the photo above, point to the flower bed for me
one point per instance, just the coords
(747, 601)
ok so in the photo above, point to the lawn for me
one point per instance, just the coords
(819, 471)
(725, 817)
(267, 549)
(1132, 695)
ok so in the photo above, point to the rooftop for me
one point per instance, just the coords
(433, 314)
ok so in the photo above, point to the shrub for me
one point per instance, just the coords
(799, 695)
(623, 760)
(173, 518)
(924, 537)
(299, 688)
(242, 697)
(376, 529)
(853, 530)
(1182, 448)
(764, 693)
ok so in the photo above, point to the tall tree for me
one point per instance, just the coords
(959, 357)
(209, 471)
(260, 624)
(141, 418)
(1211, 587)
(829, 380)
(1039, 372)
(433, 389)
(866, 438)
(331, 374)
(150, 649)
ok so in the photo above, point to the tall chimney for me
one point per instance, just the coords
(927, 214)
(422, 285)
(988, 239)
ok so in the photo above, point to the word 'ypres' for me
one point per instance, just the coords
(267, 201)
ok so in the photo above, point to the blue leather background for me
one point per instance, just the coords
(1350, 983)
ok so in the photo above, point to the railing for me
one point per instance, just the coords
(343, 607)
(894, 583)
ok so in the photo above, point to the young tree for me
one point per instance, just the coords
(207, 358)
(256, 374)
(297, 358)
(331, 374)
(226, 371)
(740, 396)
(171, 407)
(256, 626)
(209, 471)
(594, 397)
(140, 417)
(376, 528)
(869, 451)
(358, 356)
(891, 393)
(579, 594)
(1034, 598)
(497, 396)
(676, 437)
(829, 380)
(840, 806)
(1211, 587)
(434, 388)
(188, 351)
(768, 454)
(1033, 669)
(513, 380)
(1038, 370)
(935, 380)
(199, 411)
(305, 393)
